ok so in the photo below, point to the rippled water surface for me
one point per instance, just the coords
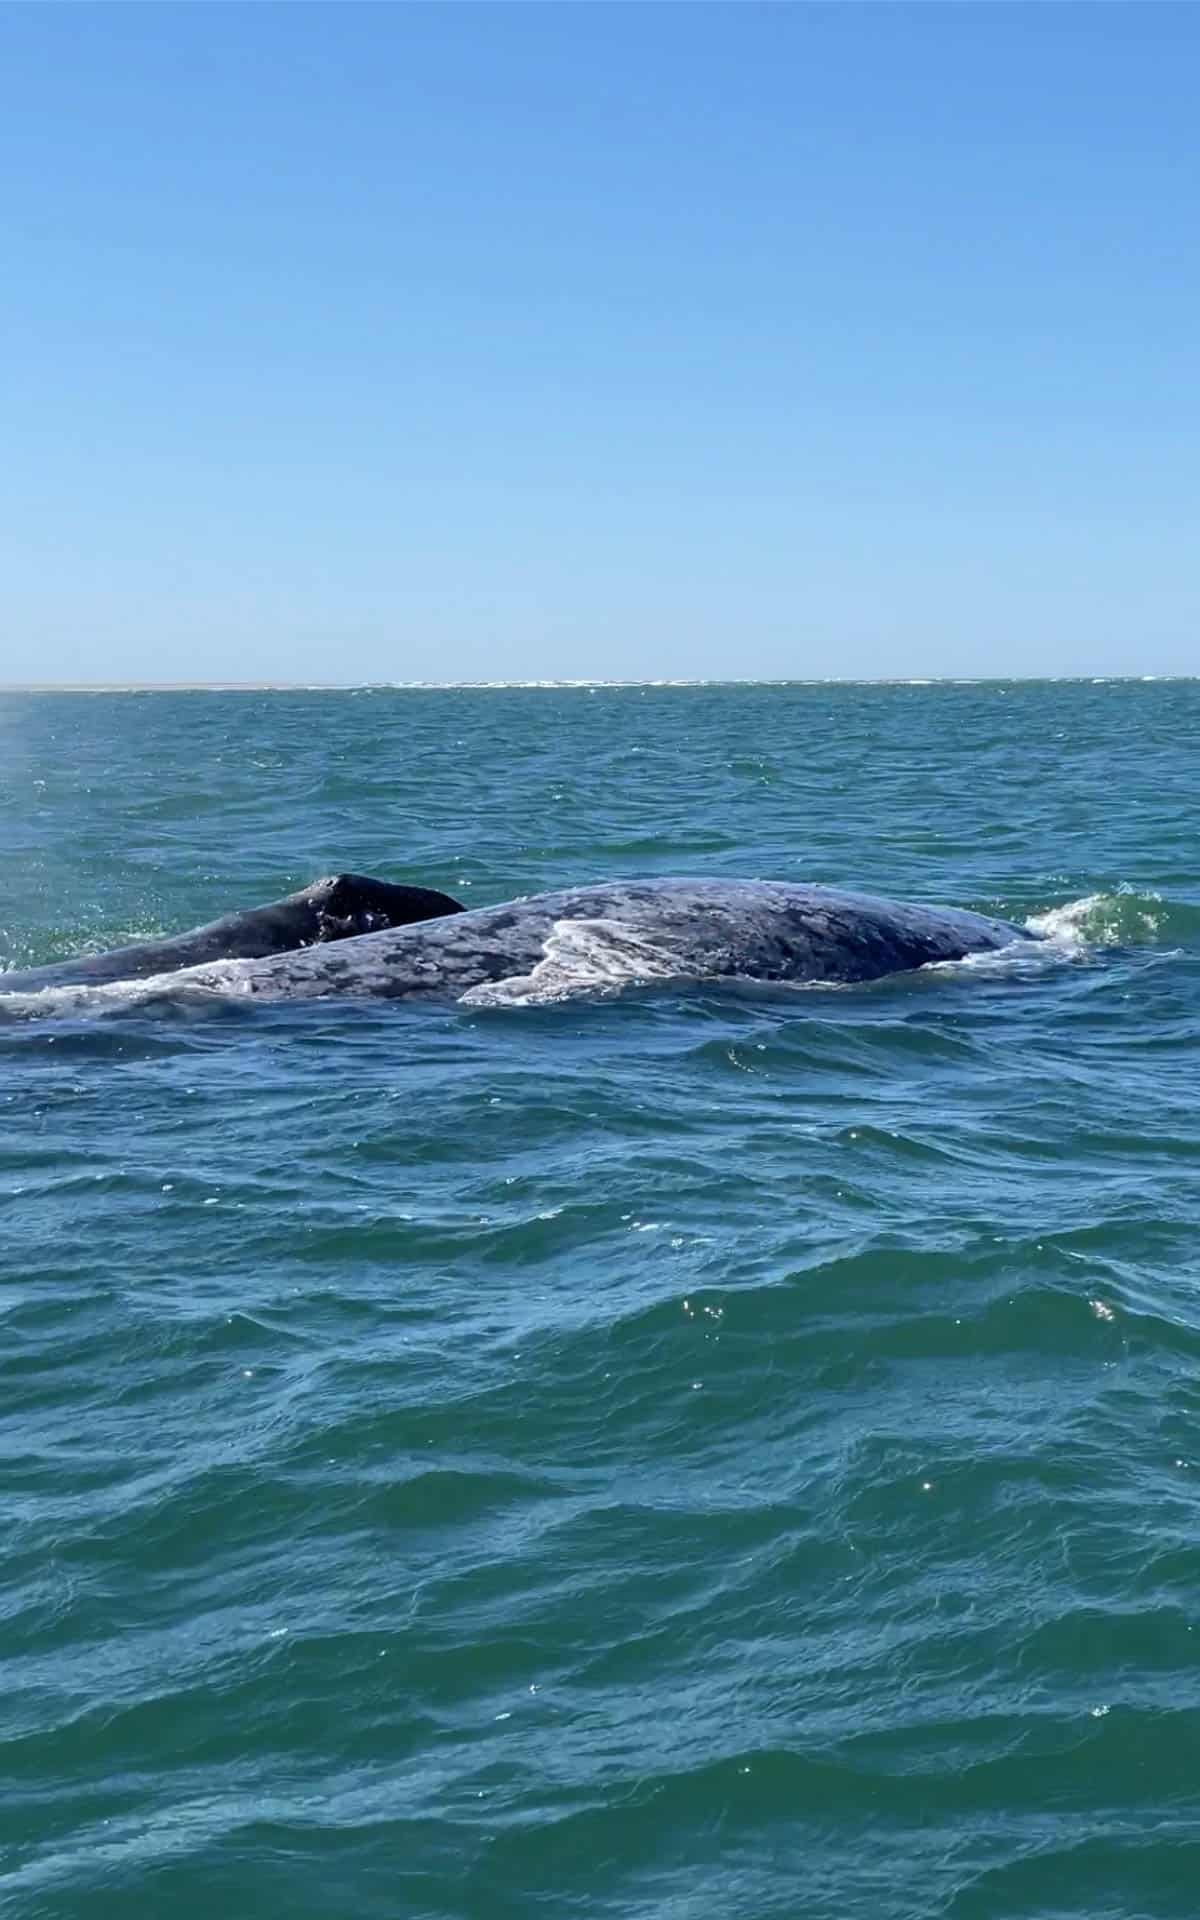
(681, 1454)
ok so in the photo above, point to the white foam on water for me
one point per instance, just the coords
(1122, 918)
(1020, 960)
(1069, 935)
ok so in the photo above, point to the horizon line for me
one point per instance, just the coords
(584, 684)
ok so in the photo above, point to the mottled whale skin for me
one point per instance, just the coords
(339, 907)
(617, 933)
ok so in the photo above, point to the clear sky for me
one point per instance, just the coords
(406, 342)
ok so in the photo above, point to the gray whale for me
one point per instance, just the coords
(337, 908)
(615, 934)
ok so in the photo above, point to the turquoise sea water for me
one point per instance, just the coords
(694, 1453)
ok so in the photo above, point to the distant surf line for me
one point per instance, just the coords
(594, 685)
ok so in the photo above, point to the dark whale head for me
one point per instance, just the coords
(346, 904)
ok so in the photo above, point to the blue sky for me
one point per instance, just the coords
(407, 342)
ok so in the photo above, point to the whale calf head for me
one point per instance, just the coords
(346, 904)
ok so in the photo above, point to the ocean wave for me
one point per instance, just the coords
(1124, 918)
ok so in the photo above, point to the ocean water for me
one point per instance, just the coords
(675, 1453)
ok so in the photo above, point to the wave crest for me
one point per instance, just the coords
(1125, 918)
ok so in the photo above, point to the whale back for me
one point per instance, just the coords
(585, 938)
